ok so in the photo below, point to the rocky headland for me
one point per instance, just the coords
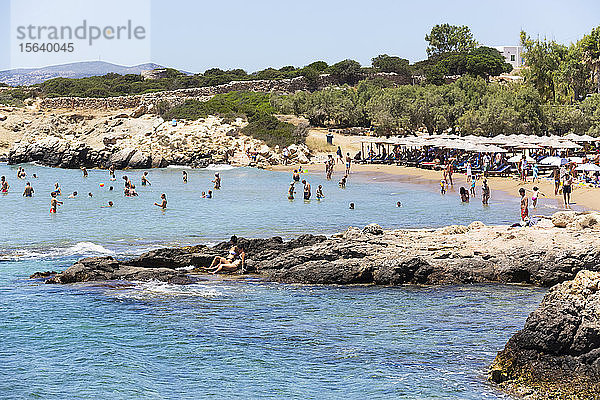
(134, 138)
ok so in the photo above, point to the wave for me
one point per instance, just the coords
(219, 167)
(78, 249)
(157, 289)
(175, 166)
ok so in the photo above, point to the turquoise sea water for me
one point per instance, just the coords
(243, 339)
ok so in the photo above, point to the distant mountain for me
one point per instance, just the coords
(32, 76)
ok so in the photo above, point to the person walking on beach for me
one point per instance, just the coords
(567, 182)
(28, 192)
(217, 181)
(450, 170)
(348, 163)
(307, 191)
(339, 154)
(536, 172)
(485, 192)
(286, 155)
(469, 172)
(163, 203)
(556, 181)
(4, 186)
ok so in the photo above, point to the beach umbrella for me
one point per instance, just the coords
(554, 161)
(573, 137)
(588, 167)
(588, 138)
(517, 158)
(576, 160)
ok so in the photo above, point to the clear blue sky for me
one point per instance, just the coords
(196, 35)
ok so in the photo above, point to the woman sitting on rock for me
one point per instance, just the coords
(234, 260)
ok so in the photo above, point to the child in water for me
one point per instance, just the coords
(54, 203)
(291, 191)
(184, 176)
(203, 195)
(351, 206)
(209, 194)
(320, 192)
(443, 186)
(473, 181)
(342, 182)
(536, 194)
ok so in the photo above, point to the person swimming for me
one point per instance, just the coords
(57, 190)
(90, 194)
(342, 182)
(217, 181)
(163, 203)
(319, 193)
(398, 204)
(209, 194)
(203, 195)
(111, 188)
(54, 203)
(351, 206)
(28, 192)
(72, 195)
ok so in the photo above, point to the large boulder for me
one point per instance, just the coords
(563, 218)
(139, 160)
(120, 159)
(557, 354)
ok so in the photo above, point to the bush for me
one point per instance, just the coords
(274, 132)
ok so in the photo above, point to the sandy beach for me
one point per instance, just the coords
(582, 196)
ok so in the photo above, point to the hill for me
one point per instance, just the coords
(32, 76)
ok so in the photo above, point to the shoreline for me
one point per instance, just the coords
(586, 198)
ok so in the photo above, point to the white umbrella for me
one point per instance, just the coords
(518, 157)
(554, 161)
(588, 167)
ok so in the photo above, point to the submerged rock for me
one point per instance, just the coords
(557, 354)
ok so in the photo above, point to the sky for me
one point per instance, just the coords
(197, 35)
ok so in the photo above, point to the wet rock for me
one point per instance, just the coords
(563, 218)
(120, 159)
(139, 160)
(373, 229)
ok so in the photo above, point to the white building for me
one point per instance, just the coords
(513, 55)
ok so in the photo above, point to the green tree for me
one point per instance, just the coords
(590, 46)
(346, 72)
(447, 38)
(385, 63)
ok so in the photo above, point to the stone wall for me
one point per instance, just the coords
(178, 96)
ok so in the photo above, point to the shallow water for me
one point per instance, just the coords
(243, 339)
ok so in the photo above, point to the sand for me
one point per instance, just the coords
(581, 198)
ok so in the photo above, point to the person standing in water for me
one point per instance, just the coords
(307, 191)
(4, 186)
(145, 180)
(217, 181)
(54, 203)
(163, 203)
(291, 191)
(485, 192)
(111, 173)
(296, 176)
(524, 206)
(28, 192)
(85, 172)
(184, 176)
(320, 194)
(348, 163)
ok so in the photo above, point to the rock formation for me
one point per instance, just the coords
(557, 354)
(543, 255)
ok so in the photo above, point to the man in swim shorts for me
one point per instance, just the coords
(163, 203)
(307, 191)
(54, 203)
(28, 192)
(4, 186)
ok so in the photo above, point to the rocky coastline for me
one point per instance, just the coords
(133, 140)
(557, 354)
(551, 252)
